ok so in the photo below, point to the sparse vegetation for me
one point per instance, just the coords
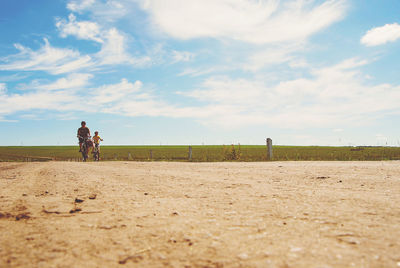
(203, 153)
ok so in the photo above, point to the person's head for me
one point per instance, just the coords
(83, 123)
(96, 133)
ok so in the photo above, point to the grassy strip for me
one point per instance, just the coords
(203, 153)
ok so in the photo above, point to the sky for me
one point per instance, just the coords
(302, 72)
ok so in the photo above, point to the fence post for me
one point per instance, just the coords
(269, 149)
(190, 153)
(151, 154)
(130, 156)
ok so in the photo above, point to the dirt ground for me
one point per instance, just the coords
(160, 214)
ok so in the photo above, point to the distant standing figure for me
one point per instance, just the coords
(83, 132)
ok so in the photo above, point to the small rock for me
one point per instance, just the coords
(75, 210)
(92, 196)
(146, 193)
(77, 200)
(22, 216)
(5, 215)
(172, 240)
(175, 214)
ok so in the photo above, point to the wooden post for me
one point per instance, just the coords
(269, 149)
(190, 153)
(151, 154)
(130, 156)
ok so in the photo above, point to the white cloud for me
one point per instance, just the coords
(337, 130)
(332, 96)
(335, 95)
(114, 51)
(3, 89)
(273, 55)
(86, 30)
(182, 56)
(72, 81)
(47, 58)
(116, 92)
(80, 5)
(258, 22)
(62, 60)
(105, 11)
(63, 96)
(131, 99)
(39, 100)
(381, 35)
(199, 71)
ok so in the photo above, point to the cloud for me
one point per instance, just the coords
(258, 22)
(131, 99)
(114, 51)
(63, 60)
(182, 56)
(63, 96)
(105, 11)
(39, 100)
(72, 81)
(123, 98)
(202, 71)
(85, 30)
(80, 5)
(332, 96)
(381, 35)
(273, 55)
(3, 88)
(47, 58)
(115, 92)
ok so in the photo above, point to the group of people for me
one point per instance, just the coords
(84, 134)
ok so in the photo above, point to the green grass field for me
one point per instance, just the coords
(202, 153)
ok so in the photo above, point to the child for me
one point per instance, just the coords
(97, 139)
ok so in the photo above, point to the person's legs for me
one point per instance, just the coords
(80, 144)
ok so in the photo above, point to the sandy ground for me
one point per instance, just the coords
(132, 214)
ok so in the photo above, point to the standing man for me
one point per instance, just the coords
(83, 132)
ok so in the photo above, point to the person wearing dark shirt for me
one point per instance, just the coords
(83, 132)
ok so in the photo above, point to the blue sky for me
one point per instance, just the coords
(303, 72)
